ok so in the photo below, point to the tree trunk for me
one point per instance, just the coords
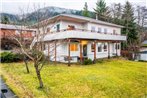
(26, 63)
(38, 75)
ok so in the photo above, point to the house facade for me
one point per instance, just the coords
(8, 32)
(71, 38)
(143, 51)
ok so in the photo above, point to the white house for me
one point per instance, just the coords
(143, 51)
(76, 37)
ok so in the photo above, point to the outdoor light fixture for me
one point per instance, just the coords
(84, 42)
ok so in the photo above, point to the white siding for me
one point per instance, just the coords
(109, 28)
(62, 51)
(64, 25)
(143, 56)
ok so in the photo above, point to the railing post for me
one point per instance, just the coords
(108, 50)
(55, 51)
(94, 51)
(116, 48)
(68, 52)
(49, 50)
(81, 52)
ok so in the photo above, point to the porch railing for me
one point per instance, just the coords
(77, 29)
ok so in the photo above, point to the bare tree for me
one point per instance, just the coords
(116, 10)
(35, 52)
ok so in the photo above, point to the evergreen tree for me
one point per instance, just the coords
(5, 20)
(101, 10)
(130, 27)
(85, 11)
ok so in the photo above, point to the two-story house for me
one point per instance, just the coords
(76, 37)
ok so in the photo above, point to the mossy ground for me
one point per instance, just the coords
(113, 78)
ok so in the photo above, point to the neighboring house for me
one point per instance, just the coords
(77, 37)
(7, 32)
(143, 51)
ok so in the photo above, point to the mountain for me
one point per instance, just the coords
(48, 12)
(43, 13)
(12, 18)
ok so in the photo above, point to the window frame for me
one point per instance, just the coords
(105, 47)
(99, 30)
(92, 47)
(99, 46)
(105, 30)
(92, 28)
(74, 47)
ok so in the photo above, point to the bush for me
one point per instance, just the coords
(87, 62)
(7, 57)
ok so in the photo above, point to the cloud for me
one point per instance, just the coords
(10, 6)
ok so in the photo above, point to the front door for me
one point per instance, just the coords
(84, 50)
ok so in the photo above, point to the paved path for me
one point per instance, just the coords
(5, 92)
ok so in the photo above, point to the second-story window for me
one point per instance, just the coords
(92, 29)
(58, 27)
(105, 30)
(99, 30)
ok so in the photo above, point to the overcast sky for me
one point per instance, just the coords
(13, 6)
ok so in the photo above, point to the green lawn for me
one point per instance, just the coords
(110, 79)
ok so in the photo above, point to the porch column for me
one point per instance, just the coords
(69, 52)
(94, 51)
(116, 48)
(108, 50)
(55, 50)
(49, 50)
(81, 52)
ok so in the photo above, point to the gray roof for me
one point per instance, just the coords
(14, 27)
(86, 19)
(91, 20)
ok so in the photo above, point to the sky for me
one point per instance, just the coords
(14, 6)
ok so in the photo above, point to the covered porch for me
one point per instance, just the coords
(76, 50)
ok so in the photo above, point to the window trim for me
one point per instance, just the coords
(105, 48)
(99, 46)
(75, 47)
(92, 27)
(99, 30)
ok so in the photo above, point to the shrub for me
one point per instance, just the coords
(87, 62)
(7, 57)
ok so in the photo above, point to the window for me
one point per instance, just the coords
(92, 47)
(99, 30)
(105, 30)
(114, 31)
(105, 47)
(58, 27)
(99, 48)
(115, 46)
(118, 46)
(92, 29)
(73, 47)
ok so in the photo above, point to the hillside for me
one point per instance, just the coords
(44, 13)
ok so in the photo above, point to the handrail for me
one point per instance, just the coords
(77, 29)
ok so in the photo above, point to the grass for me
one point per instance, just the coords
(107, 79)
